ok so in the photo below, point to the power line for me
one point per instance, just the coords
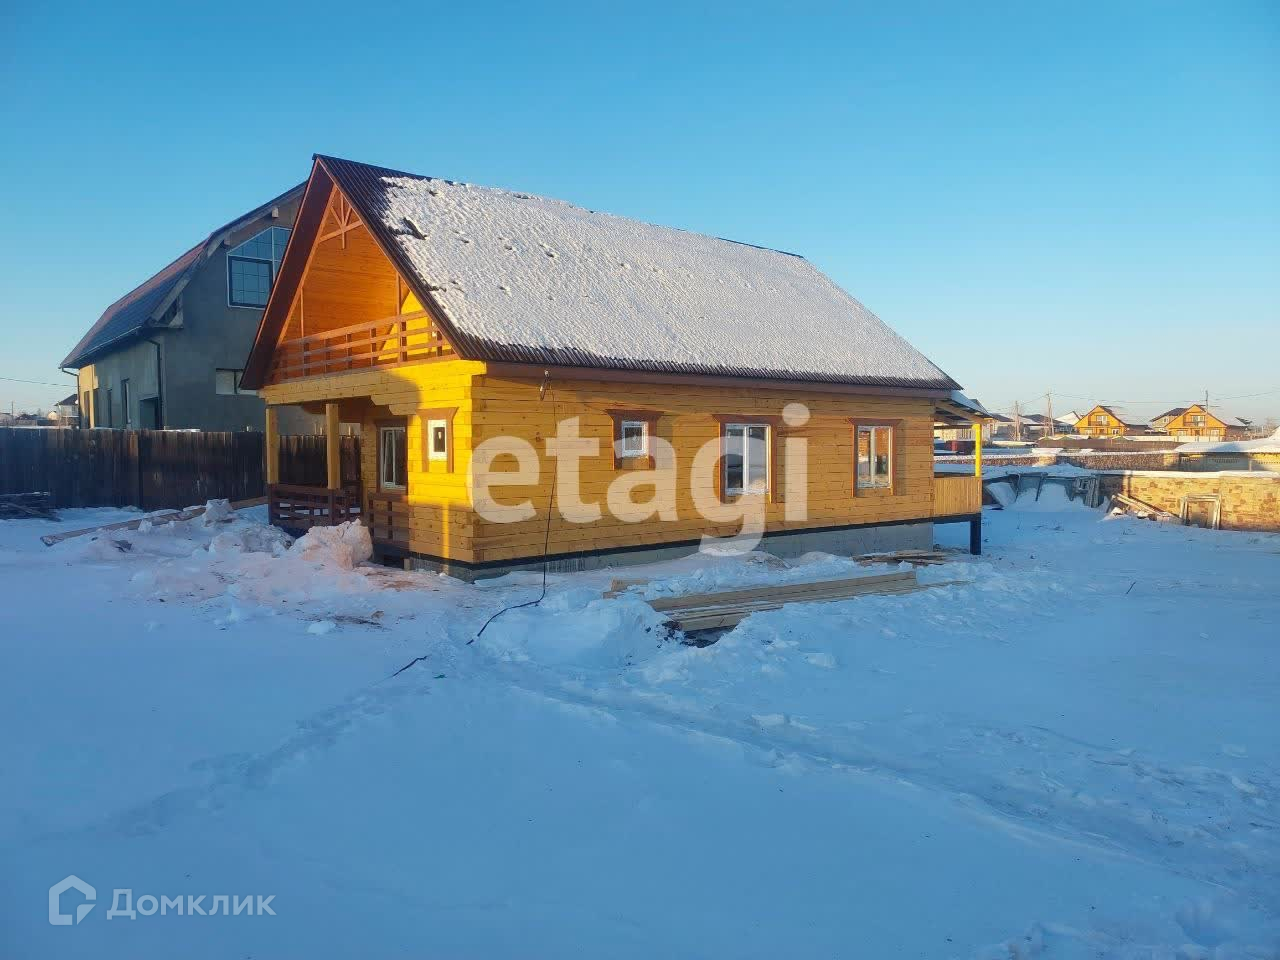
(37, 383)
(1242, 396)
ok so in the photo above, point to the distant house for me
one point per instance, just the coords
(1108, 421)
(36, 419)
(1196, 422)
(169, 354)
(1260, 454)
(963, 433)
(67, 411)
(1038, 425)
(1163, 420)
(1001, 427)
(1067, 422)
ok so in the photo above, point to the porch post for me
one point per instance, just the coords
(271, 444)
(332, 447)
(977, 449)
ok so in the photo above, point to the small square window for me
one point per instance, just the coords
(437, 440)
(634, 440)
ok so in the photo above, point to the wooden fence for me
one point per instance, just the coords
(154, 469)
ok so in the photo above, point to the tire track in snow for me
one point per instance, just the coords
(1214, 856)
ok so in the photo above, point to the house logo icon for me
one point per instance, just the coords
(56, 916)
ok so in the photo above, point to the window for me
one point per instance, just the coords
(635, 438)
(1196, 419)
(437, 436)
(226, 383)
(252, 267)
(437, 440)
(125, 415)
(392, 458)
(873, 454)
(1100, 418)
(85, 410)
(746, 458)
(110, 412)
(633, 432)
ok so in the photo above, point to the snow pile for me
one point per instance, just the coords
(216, 511)
(577, 627)
(240, 569)
(514, 270)
(343, 546)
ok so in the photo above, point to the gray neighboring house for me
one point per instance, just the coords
(169, 354)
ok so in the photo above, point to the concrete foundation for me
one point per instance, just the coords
(843, 541)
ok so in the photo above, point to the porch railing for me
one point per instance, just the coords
(388, 519)
(956, 495)
(408, 338)
(301, 508)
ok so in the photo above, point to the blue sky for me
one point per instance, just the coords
(1077, 197)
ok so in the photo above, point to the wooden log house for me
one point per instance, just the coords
(440, 315)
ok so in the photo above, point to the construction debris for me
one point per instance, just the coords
(918, 558)
(1126, 504)
(710, 611)
(24, 506)
(155, 519)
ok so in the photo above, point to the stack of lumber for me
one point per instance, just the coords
(23, 506)
(709, 611)
(917, 558)
(1139, 508)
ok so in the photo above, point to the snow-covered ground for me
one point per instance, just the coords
(1073, 754)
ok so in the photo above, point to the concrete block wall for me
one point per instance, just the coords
(1250, 501)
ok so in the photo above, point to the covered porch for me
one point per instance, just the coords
(298, 507)
(957, 495)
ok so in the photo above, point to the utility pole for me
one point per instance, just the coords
(1017, 420)
(1051, 427)
(1206, 399)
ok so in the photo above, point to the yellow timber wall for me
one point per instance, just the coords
(444, 524)
(441, 521)
(510, 407)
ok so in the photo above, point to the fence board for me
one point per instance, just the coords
(155, 469)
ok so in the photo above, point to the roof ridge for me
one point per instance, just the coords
(171, 272)
(526, 195)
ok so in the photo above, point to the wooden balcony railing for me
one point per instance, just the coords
(408, 338)
(301, 508)
(388, 519)
(956, 495)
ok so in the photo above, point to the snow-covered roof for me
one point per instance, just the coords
(1169, 414)
(523, 278)
(1128, 419)
(969, 403)
(1269, 444)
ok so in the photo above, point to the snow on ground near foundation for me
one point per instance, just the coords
(1071, 754)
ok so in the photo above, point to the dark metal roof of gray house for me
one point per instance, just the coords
(141, 306)
(527, 279)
